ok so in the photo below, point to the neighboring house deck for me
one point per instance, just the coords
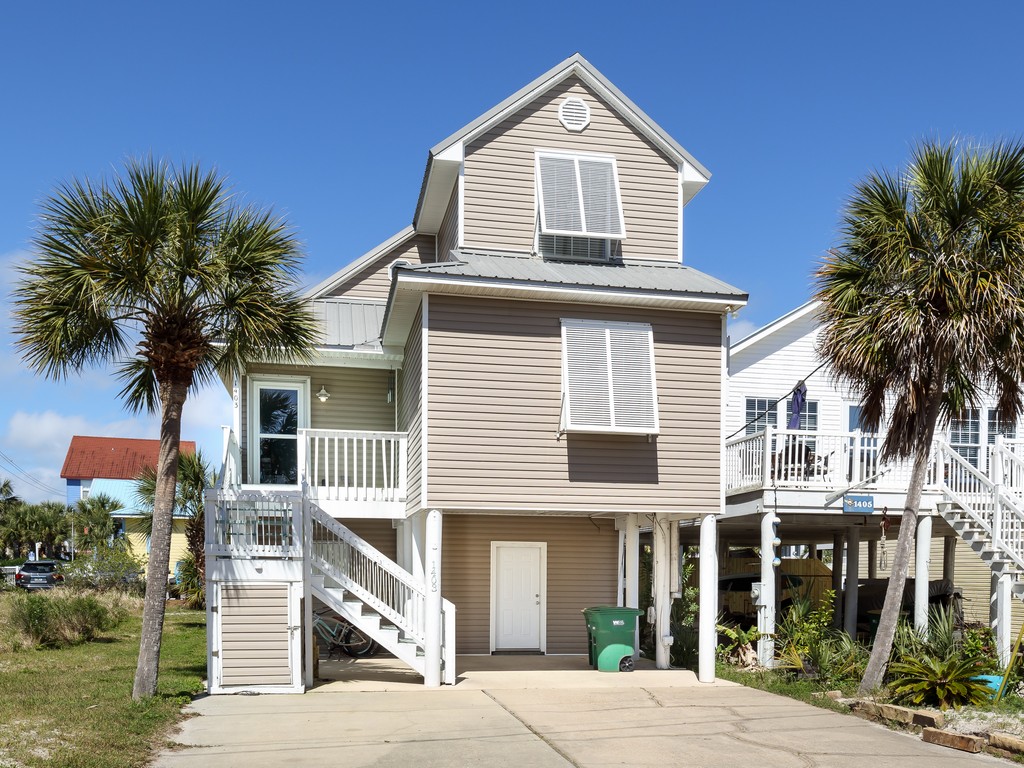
(504, 393)
(972, 506)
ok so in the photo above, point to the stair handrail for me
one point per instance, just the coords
(1004, 521)
(958, 492)
(368, 574)
(1009, 464)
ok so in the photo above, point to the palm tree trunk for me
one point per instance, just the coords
(172, 400)
(882, 645)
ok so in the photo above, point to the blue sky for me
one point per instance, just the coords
(325, 112)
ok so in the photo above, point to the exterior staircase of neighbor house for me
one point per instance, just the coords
(375, 594)
(986, 512)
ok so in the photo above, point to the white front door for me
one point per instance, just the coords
(518, 595)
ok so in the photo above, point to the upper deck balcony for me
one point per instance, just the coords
(813, 469)
(346, 473)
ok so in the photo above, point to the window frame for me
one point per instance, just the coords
(576, 157)
(568, 424)
(255, 384)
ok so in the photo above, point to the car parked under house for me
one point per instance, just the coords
(505, 392)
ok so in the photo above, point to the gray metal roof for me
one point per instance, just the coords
(349, 322)
(647, 276)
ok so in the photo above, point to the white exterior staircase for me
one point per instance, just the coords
(985, 513)
(375, 594)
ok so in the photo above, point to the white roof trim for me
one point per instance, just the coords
(354, 267)
(790, 317)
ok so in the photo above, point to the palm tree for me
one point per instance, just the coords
(922, 308)
(50, 524)
(162, 273)
(94, 521)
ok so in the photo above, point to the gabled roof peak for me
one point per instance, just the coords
(438, 179)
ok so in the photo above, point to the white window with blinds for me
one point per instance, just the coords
(578, 195)
(608, 380)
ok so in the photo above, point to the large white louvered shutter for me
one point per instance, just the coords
(608, 375)
(579, 195)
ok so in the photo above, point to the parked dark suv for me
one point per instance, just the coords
(39, 574)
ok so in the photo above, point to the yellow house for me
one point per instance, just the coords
(111, 466)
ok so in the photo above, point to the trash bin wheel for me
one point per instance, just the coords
(626, 665)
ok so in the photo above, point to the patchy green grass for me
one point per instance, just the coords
(72, 706)
(783, 684)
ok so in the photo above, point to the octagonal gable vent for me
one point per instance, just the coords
(574, 114)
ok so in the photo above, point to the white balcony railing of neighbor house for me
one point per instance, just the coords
(804, 459)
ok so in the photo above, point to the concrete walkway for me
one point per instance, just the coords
(554, 717)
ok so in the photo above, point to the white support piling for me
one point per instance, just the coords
(765, 600)
(852, 578)
(1001, 616)
(922, 558)
(662, 589)
(432, 607)
(632, 558)
(707, 634)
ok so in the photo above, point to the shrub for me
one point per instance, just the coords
(191, 587)
(59, 619)
(110, 568)
(945, 682)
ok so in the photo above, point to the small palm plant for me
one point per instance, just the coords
(945, 682)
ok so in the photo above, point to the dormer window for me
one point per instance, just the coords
(580, 207)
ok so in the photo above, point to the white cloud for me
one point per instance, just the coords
(35, 445)
(206, 411)
(740, 329)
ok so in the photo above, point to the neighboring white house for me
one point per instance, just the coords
(805, 474)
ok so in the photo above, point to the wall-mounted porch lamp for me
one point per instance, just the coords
(323, 395)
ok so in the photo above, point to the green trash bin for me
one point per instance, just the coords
(611, 631)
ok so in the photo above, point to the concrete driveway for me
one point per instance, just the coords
(542, 718)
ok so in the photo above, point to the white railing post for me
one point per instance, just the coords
(306, 528)
(766, 459)
(302, 451)
(432, 623)
(858, 453)
(403, 467)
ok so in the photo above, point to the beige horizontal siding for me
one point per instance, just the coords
(581, 572)
(254, 635)
(410, 409)
(448, 236)
(494, 381)
(500, 197)
(372, 281)
(379, 534)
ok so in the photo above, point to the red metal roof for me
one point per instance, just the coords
(116, 458)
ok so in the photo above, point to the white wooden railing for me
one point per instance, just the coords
(997, 510)
(253, 524)
(354, 466)
(369, 575)
(788, 458)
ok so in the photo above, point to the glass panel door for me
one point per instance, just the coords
(277, 438)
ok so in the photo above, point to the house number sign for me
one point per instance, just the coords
(861, 505)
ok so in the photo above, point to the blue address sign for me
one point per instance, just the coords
(861, 505)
